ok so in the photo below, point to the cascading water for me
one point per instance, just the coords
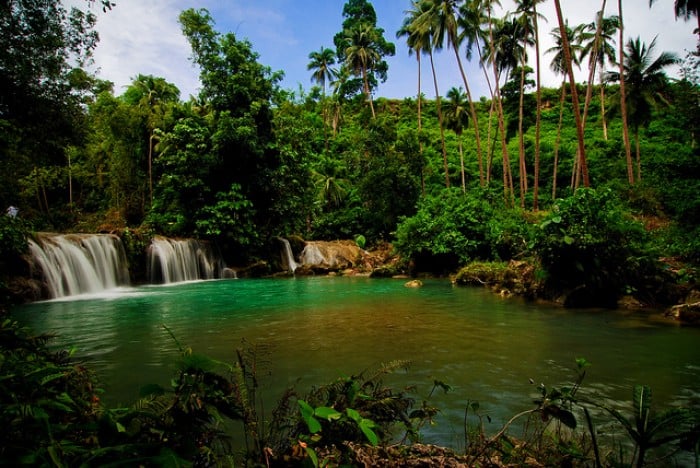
(177, 260)
(74, 264)
(288, 260)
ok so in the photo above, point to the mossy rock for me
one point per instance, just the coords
(482, 273)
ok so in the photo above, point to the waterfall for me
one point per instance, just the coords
(80, 263)
(312, 255)
(288, 260)
(177, 260)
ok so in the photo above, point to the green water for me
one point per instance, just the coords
(313, 330)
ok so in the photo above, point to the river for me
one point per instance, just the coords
(310, 331)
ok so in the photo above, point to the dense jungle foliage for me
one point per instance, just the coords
(448, 180)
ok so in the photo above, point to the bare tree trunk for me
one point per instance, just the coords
(420, 125)
(521, 139)
(461, 163)
(367, 92)
(492, 144)
(602, 110)
(538, 118)
(507, 177)
(623, 100)
(558, 140)
(440, 124)
(574, 94)
(472, 108)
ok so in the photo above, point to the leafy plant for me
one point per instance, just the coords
(587, 241)
(648, 430)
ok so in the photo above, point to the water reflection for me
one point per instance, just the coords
(317, 329)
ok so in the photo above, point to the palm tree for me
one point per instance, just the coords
(623, 97)
(156, 95)
(321, 65)
(417, 42)
(422, 32)
(574, 95)
(342, 78)
(526, 18)
(362, 54)
(499, 62)
(457, 119)
(442, 18)
(601, 52)
(558, 66)
(646, 83)
(470, 20)
(538, 118)
(686, 9)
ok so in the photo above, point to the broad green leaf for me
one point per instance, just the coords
(327, 413)
(307, 413)
(366, 426)
(312, 455)
(353, 414)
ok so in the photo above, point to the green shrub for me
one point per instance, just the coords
(587, 241)
(452, 228)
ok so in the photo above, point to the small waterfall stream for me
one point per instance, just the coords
(288, 260)
(74, 264)
(177, 260)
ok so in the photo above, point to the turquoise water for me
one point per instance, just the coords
(313, 330)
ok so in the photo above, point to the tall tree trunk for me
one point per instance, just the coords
(602, 110)
(538, 118)
(492, 144)
(508, 194)
(557, 143)
(461, 163)
(150, 168)
(440, 124)
(472, 109)
(638, 154)
(623, 100)
(521, 139)
(574, 95)
(420, 125)
(367, 92)
(489, 151)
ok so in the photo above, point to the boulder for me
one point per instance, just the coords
(686, 313)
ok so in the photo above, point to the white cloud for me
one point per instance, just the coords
(138, 37)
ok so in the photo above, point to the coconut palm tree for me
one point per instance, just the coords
(417, 41)
(156, 95)
(321, 65)
(623, 97)
(646, 84)
(470, 20)
(423, 32)
(558, 66)
(526, 16)
(499, 61)
(574, 94)
(601, 52)
(529, 8)
(442, 18)
(361, 55)
(457, 119)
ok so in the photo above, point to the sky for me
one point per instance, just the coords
(144, 37)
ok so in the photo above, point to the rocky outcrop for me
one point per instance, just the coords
(325, 257)
(686, 313)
